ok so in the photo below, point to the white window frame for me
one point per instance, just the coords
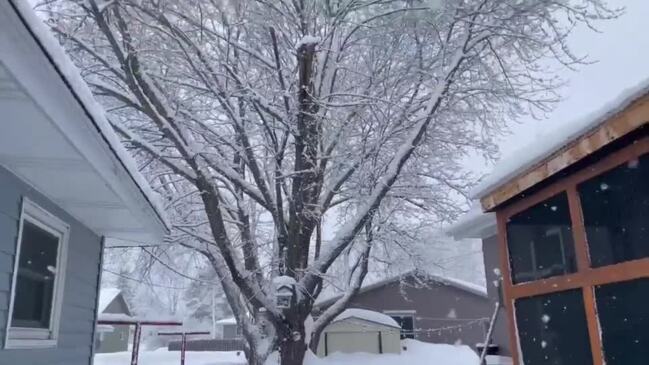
(21, 337)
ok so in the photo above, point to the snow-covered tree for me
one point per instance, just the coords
(259, 119)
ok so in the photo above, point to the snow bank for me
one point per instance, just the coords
(545, 145)
(415, 353)
(367, 315)
(164, 357)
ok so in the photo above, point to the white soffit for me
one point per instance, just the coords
(49, 139)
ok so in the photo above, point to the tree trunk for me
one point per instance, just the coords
(292, 351)
(253, 358)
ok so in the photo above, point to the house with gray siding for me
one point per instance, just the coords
(67, 189)
(478, 225)
(112, 338)
(427, 307)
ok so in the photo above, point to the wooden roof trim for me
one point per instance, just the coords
(626, 121)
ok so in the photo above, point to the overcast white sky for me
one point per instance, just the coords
(622, 54)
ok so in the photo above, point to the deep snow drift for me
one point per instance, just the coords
(416, 353)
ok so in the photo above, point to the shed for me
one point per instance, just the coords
(361, 330)
(229, 328)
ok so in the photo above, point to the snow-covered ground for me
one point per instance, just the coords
(164, 357)
(417, 353)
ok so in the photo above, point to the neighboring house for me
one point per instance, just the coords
(67, 186)
(229, 329)
(112, 338)
(360, 330)
(428, 308)
(572, 242)
(478, 225)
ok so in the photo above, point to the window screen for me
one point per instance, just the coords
(624, 321)
(35, 278)
(540, 241)
(552, 329)
(615, 207)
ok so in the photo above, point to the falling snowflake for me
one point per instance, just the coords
(545, 318)
(544, 344)
(603, 186)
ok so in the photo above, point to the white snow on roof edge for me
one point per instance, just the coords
(73, 77)
(473, 224)
(443, 280)
(526, 157)
(230, 320)
(106, 296)
(367, 315)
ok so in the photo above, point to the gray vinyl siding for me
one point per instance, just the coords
(80, 296)
(433, 304)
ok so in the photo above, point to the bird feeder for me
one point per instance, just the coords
(284, 295)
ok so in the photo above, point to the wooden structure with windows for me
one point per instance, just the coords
(573, 234)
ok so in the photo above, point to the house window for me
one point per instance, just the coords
(406, 321)
(238, 331)
(624, 319)
(37, 279)
(615, 207)
(540, 241)
(552, 329)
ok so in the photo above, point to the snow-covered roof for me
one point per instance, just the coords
(546, 145)
(106, 296)
(104, 328)
(367, 315)
(456, 283)
(115, 317)
(75, 159)
(120, 317)
(473, 224)
(283, 281)
(230, 320)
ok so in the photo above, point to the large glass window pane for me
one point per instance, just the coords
(615, 207)
(540, 241)
(624, 321)
(552, 329)
(35, 278)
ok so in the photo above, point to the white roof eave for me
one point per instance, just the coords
(95, 140)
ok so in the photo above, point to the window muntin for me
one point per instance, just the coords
(540, 241)
(38, 278)
(615, 208)
(552, 329)
(624, 319)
